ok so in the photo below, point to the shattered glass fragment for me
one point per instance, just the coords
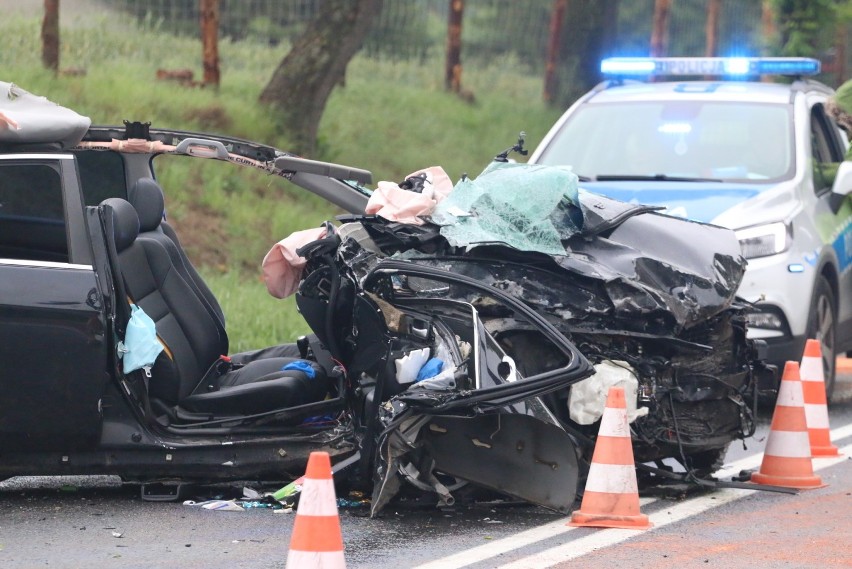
(527, 207)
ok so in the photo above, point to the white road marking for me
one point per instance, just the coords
(604, 538)
(517, 541)
(599, 539)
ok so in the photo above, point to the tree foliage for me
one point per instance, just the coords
(806, 27)
(302, 83)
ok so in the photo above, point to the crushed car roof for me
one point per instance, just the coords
(29, 119)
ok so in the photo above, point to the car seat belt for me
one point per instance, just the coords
(321, 354)
(121, 308)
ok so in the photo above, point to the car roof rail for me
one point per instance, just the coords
(328, 169)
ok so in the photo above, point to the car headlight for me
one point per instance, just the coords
(765, 320)
(764, 240)
(769, 318)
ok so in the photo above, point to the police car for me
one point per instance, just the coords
(715, 143)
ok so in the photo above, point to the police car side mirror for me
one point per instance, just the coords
(842, 185)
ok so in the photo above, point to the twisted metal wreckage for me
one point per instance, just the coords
(535, 297)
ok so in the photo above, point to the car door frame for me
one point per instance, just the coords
(53, 336)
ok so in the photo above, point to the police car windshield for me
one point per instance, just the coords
(676, 141)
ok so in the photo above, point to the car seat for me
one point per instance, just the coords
(190, 372)
(146, 197)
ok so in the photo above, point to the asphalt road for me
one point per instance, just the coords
(97, 522)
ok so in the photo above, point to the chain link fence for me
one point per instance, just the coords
(414, 32)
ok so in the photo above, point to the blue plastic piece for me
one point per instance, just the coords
(141, 345)
(302, 366)
(430, 369)
(318, 420)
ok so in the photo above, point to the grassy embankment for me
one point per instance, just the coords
(391, 118)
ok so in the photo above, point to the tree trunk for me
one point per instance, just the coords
(301, 85)
(557, 16)
(711, 30)
(452, 77)
(767, 18)
(50, 35)
(590, 28)
(210, 40)
(659, 33)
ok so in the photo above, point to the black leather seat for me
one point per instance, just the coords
(187, 373)
(146, 197)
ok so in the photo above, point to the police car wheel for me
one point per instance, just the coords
(822, 325)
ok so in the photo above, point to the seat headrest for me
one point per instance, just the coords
(146, 196)
(125, 222)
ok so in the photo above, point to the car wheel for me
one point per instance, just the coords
(822, 325)
(707, 462)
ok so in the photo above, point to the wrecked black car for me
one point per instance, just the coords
(647, 299)
(466, 350)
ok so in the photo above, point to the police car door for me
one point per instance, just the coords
(833, 223)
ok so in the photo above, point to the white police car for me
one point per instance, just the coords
(753, 156)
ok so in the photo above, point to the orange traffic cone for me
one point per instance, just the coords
(816, 406)
(611, 499)
(787, 457)
(317, 542)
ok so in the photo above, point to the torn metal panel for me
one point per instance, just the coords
(394, 444)
(653, 263)
(514, 454)
(486, 382)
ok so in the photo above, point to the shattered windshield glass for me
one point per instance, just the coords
(528, 207)
(677, 139)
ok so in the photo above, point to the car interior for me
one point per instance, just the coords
(193, 379)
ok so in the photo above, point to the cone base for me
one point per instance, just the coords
(639, 521)
(818, 452)
(802, 482)
(315, 560)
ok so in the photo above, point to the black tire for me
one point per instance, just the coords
(822, 325)
(705, 463)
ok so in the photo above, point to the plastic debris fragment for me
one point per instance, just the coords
(430, 369)
(301, 365)
(408, 366)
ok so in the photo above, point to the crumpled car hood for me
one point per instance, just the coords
(652, 264)
(650, 272)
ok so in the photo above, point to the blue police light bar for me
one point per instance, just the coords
(717, 66)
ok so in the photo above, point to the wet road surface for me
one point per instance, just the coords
(97, 522)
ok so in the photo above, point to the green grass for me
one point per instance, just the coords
(394, 118)
(253, 318)
(391, 118)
